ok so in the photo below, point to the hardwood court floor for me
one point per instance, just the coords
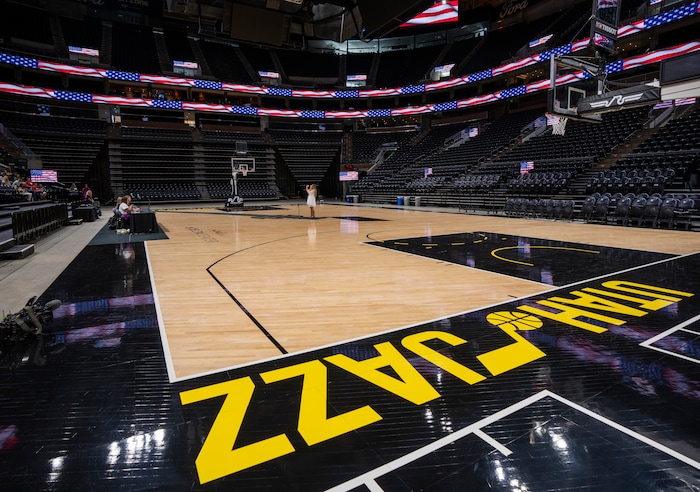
(374, 348)
(310, 283)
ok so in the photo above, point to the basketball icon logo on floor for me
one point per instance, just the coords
(514, 320)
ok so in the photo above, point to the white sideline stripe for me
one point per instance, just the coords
(680, 327)
(372, 475)
(159, 315)
(490, 440)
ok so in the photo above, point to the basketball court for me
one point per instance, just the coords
(374, 348)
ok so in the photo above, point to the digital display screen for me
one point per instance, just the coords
(43, 175)
(526, 167)
(349, 175)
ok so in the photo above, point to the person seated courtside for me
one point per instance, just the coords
(126, 208)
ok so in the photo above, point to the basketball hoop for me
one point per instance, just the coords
(559, 128)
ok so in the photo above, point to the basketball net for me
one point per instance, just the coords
(559, 128)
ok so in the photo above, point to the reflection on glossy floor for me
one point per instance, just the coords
(371, 349)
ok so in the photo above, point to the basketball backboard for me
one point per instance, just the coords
(237, 163)
(573, 79)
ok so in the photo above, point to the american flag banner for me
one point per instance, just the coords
(558, 51)
(286, 113)
(118, 100)
(512, 92)
(410, 110)
(245, 89)
(579, 45)
(378, 113)
(23, 90)
(308, 93)
(444, 84)
(157, 79)
(570, 78)
(445, 106)
(73, 96)
(20, 61)
(613, 67)
(127, 76)
(207, 84)
(412, 89)
(671, 15)
(249, 110)
(306, 113)
(379, 92)
(475, 101)
(476, 77)
(637, 26)
(346, 94)
(279, 91)
(657, 56)
(70, 69)
(345, 114)
(219, 108)
(524, 62)
(438, 13)
(157, 103)
(538, 86)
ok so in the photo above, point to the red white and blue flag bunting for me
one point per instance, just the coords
(630, 63)
(440, 12)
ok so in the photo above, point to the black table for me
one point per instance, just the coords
(86, 212)
(143, 222)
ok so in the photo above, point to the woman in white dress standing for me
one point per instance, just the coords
(311, 199)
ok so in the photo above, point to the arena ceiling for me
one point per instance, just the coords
(324, 19)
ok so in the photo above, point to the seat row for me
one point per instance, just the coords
(641, 210)
(545, 208)
(539, 183)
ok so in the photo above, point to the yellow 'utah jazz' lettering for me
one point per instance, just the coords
(411, 386)
(511, 356)
(414, 343)
(589, 301)
(570, 315)
(314, 424)
(644, 290)
(217, 457)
